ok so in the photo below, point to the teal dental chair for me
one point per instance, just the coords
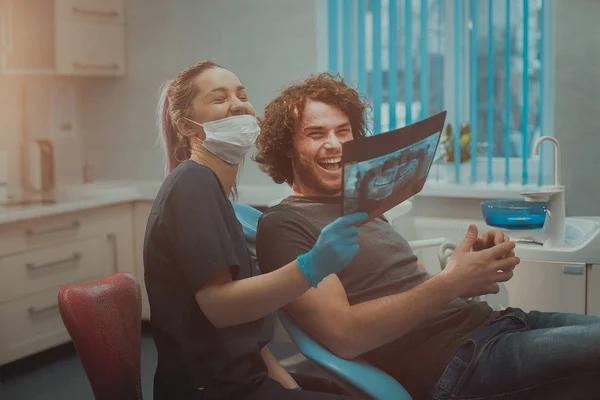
(356, 377)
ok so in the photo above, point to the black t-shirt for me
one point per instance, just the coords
(384, 265)
(192, 233)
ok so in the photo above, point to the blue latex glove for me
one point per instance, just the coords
(335, 248)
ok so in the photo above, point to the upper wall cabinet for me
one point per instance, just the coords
(62, 37)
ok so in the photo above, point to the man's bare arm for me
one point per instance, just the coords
(350, 331)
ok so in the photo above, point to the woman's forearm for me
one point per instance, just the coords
(245, 300)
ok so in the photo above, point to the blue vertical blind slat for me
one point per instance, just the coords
(507, 152)
(474, 102)
(457, 88)
(332, 28)
(377, 68)
(393, 62)
(490, 93)
(525, 107)
(408, 60)
(347, 37)
(424, 70)
(438, 58)
(362, 56)
(542, 86)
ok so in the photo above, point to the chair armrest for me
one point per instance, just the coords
(361, 377)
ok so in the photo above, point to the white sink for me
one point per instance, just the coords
(578, 229)
(582, 244)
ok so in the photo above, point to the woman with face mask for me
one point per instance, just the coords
(210, 309)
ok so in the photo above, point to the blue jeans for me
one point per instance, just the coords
(529, 356)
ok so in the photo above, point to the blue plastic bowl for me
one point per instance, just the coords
(514, 214)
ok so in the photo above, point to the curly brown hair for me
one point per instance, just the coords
(284, 113)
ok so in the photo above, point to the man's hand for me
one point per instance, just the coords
(476, 273)
(490, 239)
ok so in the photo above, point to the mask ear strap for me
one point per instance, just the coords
(193, 122)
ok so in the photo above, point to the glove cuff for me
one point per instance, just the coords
(306, 269)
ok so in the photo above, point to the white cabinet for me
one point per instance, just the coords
(63, 37)
(39, 256)
(84, 48)
(141, 211)
(544, 287)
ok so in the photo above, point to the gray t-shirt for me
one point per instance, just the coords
(385, 265)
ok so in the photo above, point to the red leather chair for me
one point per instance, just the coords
(104, 321)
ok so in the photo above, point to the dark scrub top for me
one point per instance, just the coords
(192, 233)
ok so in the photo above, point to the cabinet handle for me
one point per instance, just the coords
(34, 311)
(573, 270)
(78, 65)
(98, 13)
(75, 258)
(72, 225)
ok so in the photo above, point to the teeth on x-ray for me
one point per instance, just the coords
(369, 182)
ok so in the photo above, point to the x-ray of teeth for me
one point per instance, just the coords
(375, 180)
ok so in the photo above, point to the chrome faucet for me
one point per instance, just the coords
(556, 156)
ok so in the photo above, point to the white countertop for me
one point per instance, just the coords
(101, 194)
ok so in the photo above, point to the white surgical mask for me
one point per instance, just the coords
(230, 138)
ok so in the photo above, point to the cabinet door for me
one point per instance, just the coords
(29, 325)
(93, 49)
(141, 212)
(593, 290)
(66, 136)
(544, 287)
(56, 108)
(27, 36)
(105, 11)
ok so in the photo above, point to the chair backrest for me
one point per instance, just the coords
(248, 217)
(104, 320)
(358, 378)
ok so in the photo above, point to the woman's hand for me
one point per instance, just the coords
(276, 371)
(336, 246)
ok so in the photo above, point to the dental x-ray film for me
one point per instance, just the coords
(381, 171)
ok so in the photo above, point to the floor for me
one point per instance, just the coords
(57, 374)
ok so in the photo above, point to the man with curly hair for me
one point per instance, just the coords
(384, 308)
